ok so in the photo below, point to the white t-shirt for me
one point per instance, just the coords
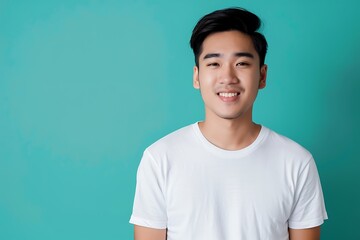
(199, 191)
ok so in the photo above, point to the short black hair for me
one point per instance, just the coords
(228, 19)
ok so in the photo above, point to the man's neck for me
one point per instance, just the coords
(230, 134)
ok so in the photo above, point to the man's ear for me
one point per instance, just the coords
(263, 75)
(196, 82)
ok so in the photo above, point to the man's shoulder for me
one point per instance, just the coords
(286, 145)
(177, 137)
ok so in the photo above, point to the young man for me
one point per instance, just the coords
(227, 177)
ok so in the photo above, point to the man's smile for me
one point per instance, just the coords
(228, 96)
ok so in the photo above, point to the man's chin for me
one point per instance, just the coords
(230, 116)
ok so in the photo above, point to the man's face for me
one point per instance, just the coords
(229, 75)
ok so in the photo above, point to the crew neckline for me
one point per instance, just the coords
(223, 153)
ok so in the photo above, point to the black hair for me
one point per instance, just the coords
(228, 19)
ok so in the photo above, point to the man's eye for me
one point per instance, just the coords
(242, 64)
(212, 64)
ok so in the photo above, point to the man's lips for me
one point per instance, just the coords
(228, 96)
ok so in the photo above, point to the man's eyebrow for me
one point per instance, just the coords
(237, 54)
(244, 54)
(211, 55)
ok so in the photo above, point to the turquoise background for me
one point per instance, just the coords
(85, 86)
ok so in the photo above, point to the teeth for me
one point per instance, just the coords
(228, 94)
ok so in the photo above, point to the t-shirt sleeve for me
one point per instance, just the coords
(309, 207)
(149, 209)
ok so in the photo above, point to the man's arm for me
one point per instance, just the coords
(145, 233)
(305, 234)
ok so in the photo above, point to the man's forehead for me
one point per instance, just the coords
(229, 43)
(225, 36)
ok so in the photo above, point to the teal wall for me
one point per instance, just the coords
(85, 86)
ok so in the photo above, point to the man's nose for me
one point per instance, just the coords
(228, 75)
